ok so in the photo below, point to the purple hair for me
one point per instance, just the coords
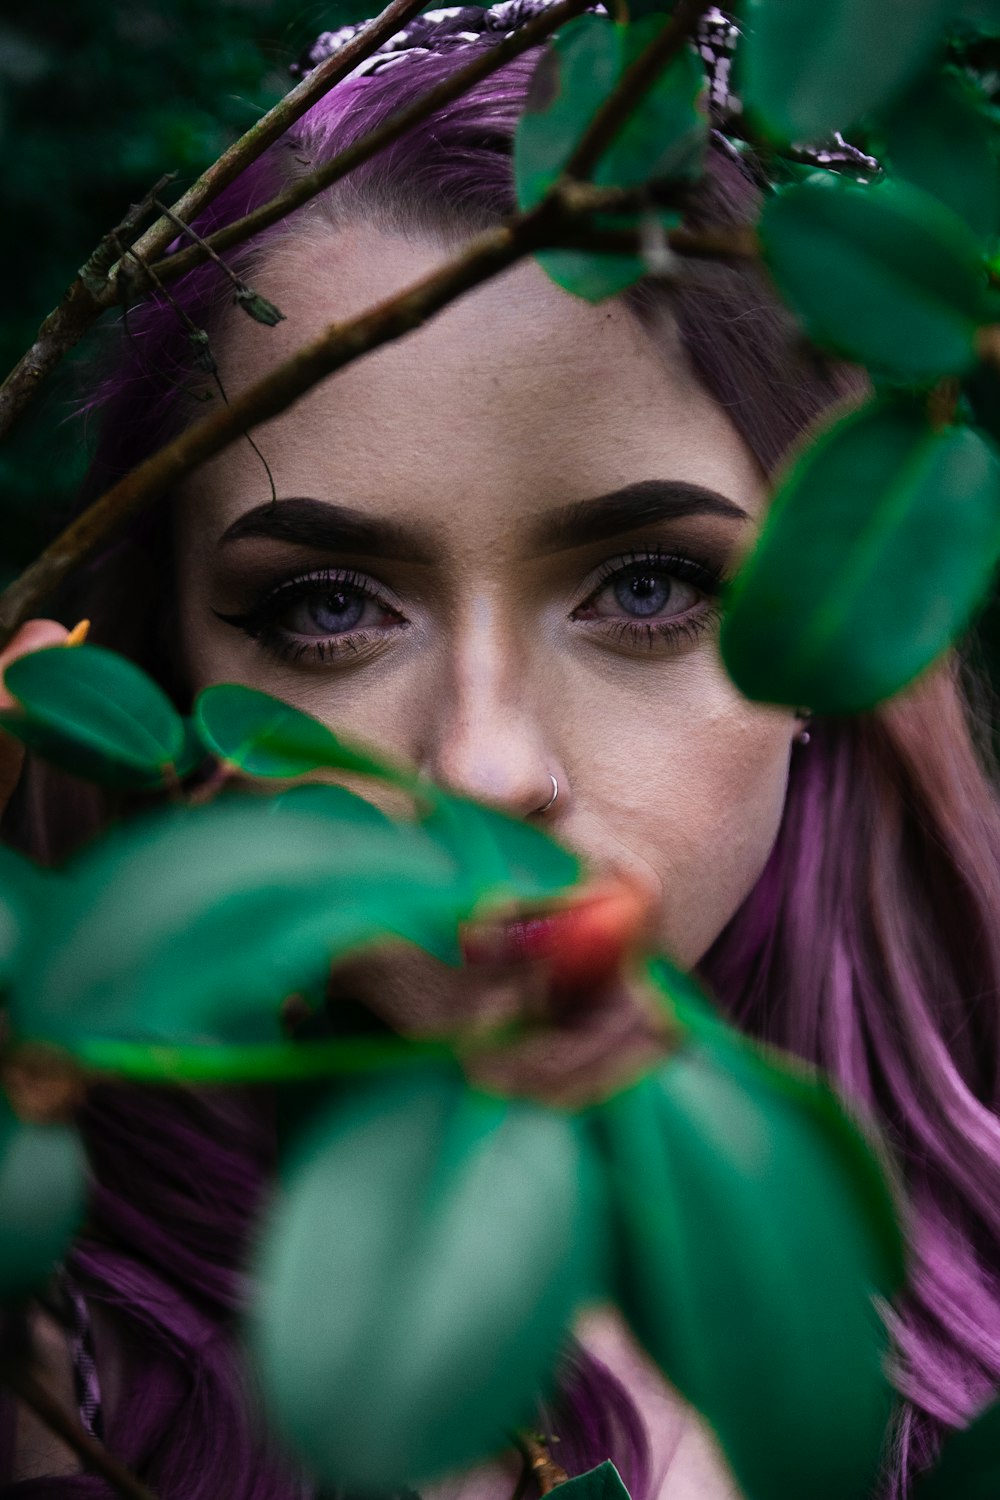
(868, 945)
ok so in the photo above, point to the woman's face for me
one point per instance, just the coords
(494, 556)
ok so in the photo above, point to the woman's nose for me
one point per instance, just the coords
(487, 738)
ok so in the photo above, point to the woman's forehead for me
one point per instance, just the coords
(516, 391)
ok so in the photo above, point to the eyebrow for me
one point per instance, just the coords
(635, 505)
(324, 525)
(330, 527)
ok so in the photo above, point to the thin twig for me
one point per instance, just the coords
(86, 299)
(29, 1389)
(94, 271)
(193, 234)
(634, 83)
(549, 223)
(308, 187)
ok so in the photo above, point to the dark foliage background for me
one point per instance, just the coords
(98, 98)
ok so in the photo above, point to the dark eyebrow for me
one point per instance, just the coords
(638, 504)
(329, 527)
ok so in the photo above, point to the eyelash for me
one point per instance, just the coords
(259, 621)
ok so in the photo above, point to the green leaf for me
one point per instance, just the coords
(969, 1467)
(94, 713)
(981, 17)
(941, 138)
(880, 542)
(602, 1483)
(21, 886)
(332, 801)
(881, 273)
(418, 1277)
(807, 70)
(194, 924)
(504, 859)
(747, 1265)
(664, 137)
(863, 1158)
(42, 1189)
(265, 736)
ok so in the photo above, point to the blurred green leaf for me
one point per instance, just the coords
(747, 1264)
(981, 16)
(879, 543)
(265, 736)
(331, 801)
(504, 859)
(94, 712)
(21, 887)
(418, 1276)
(193, 925)
(969, 1466)
(42, 1189)
(940, 137)
(665, 136)
(864, 1161)
(602, 1483)
(881, 273)
(806, 70)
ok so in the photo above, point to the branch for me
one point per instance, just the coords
(29, 1389)
(89, 295)
(634, 83)
(309, 186)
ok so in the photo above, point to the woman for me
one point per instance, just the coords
(498, 554)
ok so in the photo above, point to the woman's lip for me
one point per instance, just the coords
(583, 943)
(519, 940)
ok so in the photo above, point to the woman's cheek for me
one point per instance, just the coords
(713, 803)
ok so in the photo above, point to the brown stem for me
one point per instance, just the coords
(219, 776)
(29, 1389)
(94, 271)
(544, 1467)
(397, 125)
(636, 81)
(94, 290)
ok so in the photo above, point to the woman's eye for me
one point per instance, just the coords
(318, 616)
(332, 610)
(643, 592)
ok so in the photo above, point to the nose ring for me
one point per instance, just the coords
(555, 793)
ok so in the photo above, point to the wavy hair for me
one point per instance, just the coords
(869, 945)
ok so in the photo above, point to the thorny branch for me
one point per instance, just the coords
(95, 288)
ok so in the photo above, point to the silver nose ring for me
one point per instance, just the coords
(555, 793)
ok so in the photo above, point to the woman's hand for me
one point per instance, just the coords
(32, 636)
